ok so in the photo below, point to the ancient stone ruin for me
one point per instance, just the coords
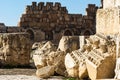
(96, 59)
(50, 57)
(70, 45)
(52, 21)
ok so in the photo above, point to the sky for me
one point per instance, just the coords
(11, 10)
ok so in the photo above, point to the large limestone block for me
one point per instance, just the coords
(103, 70)
(39, 61)
(15, 49)
(57, 59)
(45, 72)
(106, 20)
(69, 61)
(69, 43)
(71, 66)
(63, 44)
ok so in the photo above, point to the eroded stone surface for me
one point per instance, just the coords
(45, 72)
(94, 60)
(69, 43)
(14, 49)
(40, 55)
(48, 55)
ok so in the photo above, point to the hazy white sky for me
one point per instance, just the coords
(11, 10)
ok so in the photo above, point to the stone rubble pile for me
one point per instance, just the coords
(49, 57)
(95, 60)
(49, 61)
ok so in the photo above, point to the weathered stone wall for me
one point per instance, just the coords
(53, 19)
(39, 35)
(14, 49)
(36, 35)
(108, 21)
(15, 29)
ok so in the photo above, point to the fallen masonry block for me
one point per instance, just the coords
(102, 70)
(14, 49)
(45, 72)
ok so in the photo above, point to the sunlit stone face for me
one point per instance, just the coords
(111, 3)
(108, 3)
(117, 3)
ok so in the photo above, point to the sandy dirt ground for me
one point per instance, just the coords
(22, 74)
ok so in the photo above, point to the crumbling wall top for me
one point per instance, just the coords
(41, 6)
(91, 10)
(2, 25)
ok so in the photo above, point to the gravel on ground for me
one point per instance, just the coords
(23, 74)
